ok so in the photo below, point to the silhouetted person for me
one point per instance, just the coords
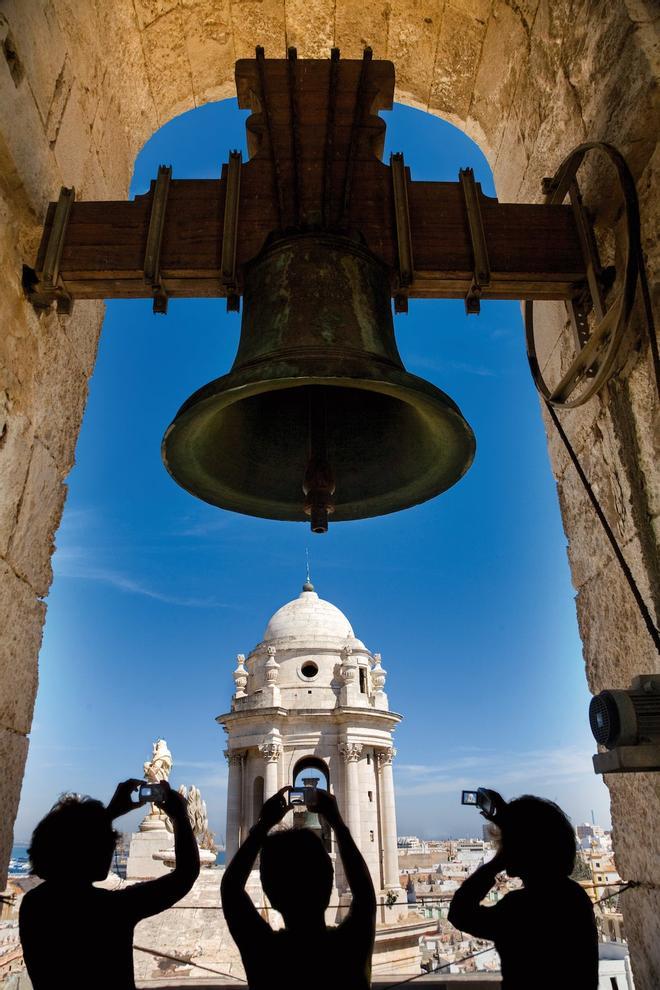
(296, 876)
(77, 935)
(545, 933)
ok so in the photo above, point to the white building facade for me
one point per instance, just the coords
(310, 697)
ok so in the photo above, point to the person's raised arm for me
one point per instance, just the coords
(153, 896)
(466, 911)
(355, 868)
(241, 915)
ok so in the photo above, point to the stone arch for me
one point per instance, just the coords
(311, 763)
(82, 86)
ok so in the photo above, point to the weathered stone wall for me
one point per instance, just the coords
(83, 84)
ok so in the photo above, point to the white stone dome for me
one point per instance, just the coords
(308, 618)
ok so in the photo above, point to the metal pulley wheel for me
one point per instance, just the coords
(595, 361)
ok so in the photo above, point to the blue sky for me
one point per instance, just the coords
(468, 597)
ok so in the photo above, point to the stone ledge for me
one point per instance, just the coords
(476, 981)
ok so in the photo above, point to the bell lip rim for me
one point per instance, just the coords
(411, 383)
(248, 390)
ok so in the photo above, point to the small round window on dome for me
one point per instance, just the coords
(309, 669)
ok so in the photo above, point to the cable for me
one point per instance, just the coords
(610, 332)
(606, 897)
(479, 952)
(641, 604)
(455, 962)
(634, 270)
(188, 962)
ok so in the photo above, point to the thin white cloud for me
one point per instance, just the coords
(203, 527)
(509, 771)
(73, 563)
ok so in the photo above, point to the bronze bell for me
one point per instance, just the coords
(318, 415)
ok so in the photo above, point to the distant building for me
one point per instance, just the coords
(593, 836)
(310, 699)
(310, 703)
(614, 969)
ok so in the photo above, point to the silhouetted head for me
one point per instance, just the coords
(296, 875)
(75, 840)
(536, 839)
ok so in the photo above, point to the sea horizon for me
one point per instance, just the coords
(19, 854)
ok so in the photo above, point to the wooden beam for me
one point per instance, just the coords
(534, 251)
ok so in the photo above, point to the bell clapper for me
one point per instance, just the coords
(318, 482)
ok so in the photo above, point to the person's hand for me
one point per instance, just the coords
(275, 808)
(122, 801)
(326, 805)
(173, 804)
(499, 806)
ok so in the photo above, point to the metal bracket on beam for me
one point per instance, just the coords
(578, 310)
(592, 297)
(403, 234)
(481, 276)
(45, 285)
(155, 238)
(230, 231)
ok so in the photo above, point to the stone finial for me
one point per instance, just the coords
(240, 676)
(348, 667)
(378, 673)
(350, 751)
(271, 667)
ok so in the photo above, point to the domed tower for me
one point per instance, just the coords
(310, 697)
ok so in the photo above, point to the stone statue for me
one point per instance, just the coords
(159, 766)
(156, 769)
(199, 820)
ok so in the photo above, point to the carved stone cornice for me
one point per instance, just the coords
(270, 751)
(351, 751)
(384, 757)
(235, 757)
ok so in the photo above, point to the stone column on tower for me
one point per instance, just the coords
(351, 753)
(388, 817)
(271, 750)
(235, 759)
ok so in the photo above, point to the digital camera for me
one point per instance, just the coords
(152, 792)
(489, 803)
(301, 796)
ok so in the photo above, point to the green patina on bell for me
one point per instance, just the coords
(317, 399)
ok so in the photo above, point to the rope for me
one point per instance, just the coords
(479, 952)
(634, 271)
(616, 549)
(471, 955)
(188, 962)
